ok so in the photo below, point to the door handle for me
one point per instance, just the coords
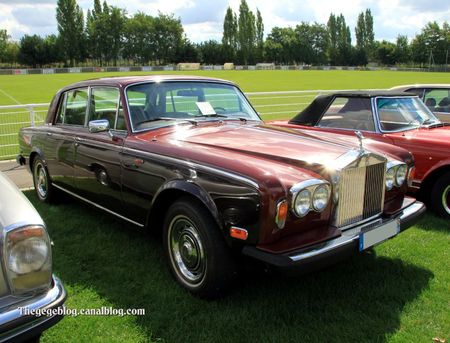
(49, 134)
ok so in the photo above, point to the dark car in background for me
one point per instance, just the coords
(190, 157)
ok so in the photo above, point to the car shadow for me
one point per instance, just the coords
(360, 299)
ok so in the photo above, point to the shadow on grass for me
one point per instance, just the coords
(433, 223)
(360, 299)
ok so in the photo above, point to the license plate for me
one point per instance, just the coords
(378, 235)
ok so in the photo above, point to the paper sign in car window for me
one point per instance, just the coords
(205, 108)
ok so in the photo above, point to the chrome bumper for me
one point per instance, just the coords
(333, 250)
(16, 326)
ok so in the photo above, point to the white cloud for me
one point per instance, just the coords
(203, 19)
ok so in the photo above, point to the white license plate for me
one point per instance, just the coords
(378, 235)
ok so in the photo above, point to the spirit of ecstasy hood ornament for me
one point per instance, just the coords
(360, 138)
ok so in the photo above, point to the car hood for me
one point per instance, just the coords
(439, 135)
(261, 140)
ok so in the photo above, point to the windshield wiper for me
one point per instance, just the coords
(193, 122)
(215, 115)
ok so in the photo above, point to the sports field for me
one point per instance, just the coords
(400, 292)
(26, 89)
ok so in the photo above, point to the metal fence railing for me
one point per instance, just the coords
(270, 105)
(12, 119)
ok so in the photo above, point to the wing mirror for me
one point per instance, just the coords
(100, 125)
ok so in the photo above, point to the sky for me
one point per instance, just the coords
(203, 19)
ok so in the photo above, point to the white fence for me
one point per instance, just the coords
(270, 105)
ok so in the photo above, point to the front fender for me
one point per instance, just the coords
(192, 189)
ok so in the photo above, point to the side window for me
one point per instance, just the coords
(437, 99)
(61, 110)
(73, 111)
(104, 104)
(349, 113)
(120, 120)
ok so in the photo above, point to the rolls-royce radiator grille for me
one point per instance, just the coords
(361, 194)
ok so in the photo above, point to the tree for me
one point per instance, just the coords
(364, 34)
(187, 52)
(138, 44)
(11, 54)
(332, 39)
(31, 51)
(259, 37)
(4, 38)
(246, 33)
(386, 53)
(402, 50)
(116, 24)
(312, 43)
(229, 38)
(212, 52)
(71, 30)
(343, 42)
(281, 46)
(167, 36)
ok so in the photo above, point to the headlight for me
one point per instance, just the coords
(28, 258)
(320, 198)
(302, 203)
(396, 174)
(400, 175)
(390, 175)
(310, 195)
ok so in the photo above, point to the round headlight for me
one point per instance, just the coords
(28, 255)
(400, 175)
(320, 198)
(302, 203)
(390, 176)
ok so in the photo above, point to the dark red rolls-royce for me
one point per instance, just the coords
(190, 156)
(394, 118)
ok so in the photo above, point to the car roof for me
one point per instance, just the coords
(313, 112)
(123, 81)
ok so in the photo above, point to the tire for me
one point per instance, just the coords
(41, 180)
(197, 254)
(440, 196)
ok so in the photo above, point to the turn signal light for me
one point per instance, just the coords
(282, 211)
(238, 233)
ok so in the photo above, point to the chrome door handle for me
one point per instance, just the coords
(49, 134)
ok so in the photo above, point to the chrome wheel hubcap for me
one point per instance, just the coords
(41, 180)
(186, 250)
(446, 199)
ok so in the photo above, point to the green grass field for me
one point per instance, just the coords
(398, 293)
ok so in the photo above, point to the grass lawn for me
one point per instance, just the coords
(398, 293)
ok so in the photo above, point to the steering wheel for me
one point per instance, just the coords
(219, 110)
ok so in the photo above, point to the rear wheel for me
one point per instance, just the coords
(41, 180)
(198, 256)
(440, 196)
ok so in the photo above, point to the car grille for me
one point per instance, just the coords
(361, 194)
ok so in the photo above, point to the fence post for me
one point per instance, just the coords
(32, 115)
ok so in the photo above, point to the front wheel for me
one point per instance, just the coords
(440, 196)
(196, 251)
(41, 180)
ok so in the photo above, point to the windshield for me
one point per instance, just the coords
(398, 114)
(152, 104)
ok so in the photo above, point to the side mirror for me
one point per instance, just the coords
(100, 125)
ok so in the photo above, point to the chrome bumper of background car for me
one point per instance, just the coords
(16, 326)
(333, 250)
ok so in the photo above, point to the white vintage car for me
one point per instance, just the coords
(27, 285)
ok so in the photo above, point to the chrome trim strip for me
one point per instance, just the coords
(33, 303)
(98, 206)
(194, 165)
(351, 235)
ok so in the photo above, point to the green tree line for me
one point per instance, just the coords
(108, 35)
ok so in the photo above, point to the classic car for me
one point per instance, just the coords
(27, 285)
(390, 117)
(190, 157)
(435, 96)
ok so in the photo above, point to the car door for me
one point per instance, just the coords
(346, 115)
(98, 154)
(59, 149)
